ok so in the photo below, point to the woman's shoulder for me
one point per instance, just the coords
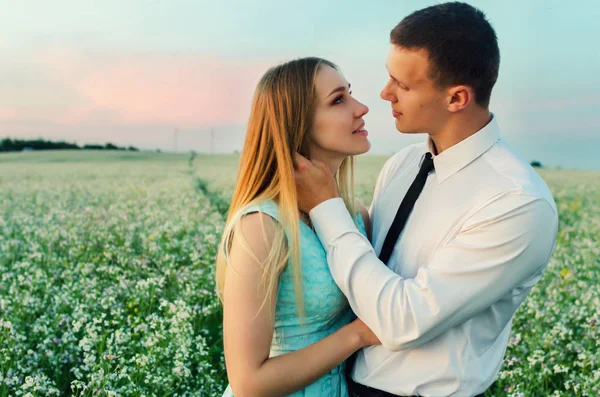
(253, 218)
(268, 207)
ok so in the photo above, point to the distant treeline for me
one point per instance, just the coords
(18, 145)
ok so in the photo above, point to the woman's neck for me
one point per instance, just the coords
(334, 161)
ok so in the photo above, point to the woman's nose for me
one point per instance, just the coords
(362, 109)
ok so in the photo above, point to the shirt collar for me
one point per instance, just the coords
(455, 158)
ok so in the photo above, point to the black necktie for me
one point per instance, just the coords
(405, 208)
(399, 221)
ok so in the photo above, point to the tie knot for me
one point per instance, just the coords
(427, 164)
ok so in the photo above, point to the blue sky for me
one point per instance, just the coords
(131, 72)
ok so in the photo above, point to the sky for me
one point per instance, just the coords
(180, 74)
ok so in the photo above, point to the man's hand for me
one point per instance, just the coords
(314, 182)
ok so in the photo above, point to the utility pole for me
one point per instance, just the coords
(175, 132)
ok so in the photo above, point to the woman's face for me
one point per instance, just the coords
(338, 128)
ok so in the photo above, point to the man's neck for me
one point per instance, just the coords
(459, 128)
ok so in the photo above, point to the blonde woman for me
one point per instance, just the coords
(287, 328)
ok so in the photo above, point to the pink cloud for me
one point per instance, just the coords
(7, 114)
(187, 91)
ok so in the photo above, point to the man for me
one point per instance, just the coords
(445, 272)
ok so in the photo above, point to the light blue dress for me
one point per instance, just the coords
(326, 308)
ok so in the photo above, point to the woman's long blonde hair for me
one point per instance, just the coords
(280, 120)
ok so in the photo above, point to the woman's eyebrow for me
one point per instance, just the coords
(338, 89)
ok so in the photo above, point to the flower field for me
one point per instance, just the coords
(106, 279)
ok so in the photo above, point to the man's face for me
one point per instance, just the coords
(418, 105)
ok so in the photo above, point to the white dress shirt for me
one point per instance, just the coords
(479, 237)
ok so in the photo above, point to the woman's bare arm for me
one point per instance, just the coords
(247, 335)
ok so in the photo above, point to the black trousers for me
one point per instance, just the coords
(358, 390)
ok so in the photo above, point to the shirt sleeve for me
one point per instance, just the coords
(504, 245)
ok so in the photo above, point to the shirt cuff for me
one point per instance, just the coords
(331, 220)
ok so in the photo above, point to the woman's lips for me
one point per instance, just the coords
(396, 114)
(362, 132)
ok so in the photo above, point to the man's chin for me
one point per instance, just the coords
(405, 129)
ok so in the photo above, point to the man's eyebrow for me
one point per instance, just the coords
(338, 89)
(393, 78)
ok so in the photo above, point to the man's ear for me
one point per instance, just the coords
(459, 96)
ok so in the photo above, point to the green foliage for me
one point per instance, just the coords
(20, 145)
(107, 279)
(536, 164)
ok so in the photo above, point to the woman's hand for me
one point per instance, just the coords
(366, 336)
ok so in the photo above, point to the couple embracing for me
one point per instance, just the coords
(415, 295)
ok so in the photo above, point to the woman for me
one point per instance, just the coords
(287, 328)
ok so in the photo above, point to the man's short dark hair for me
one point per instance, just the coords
(460, 42)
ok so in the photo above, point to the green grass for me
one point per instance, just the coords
(106, 278)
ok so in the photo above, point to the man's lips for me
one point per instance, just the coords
(396, 114)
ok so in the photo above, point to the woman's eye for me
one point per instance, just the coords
(338, 100)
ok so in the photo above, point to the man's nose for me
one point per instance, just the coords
(386, 94)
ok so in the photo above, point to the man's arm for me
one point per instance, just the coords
(504, 244)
